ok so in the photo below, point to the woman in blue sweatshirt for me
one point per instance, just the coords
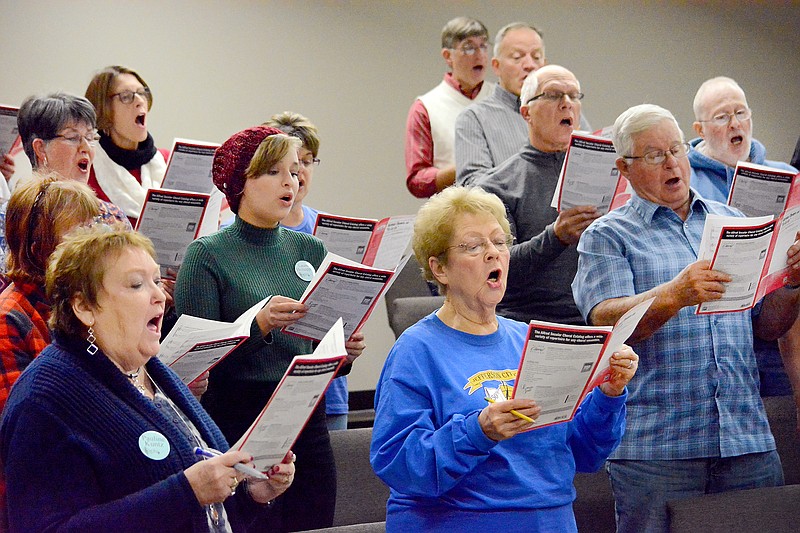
(452, 461)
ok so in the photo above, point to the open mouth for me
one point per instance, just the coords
(494, 275)
(673, 182)
(140, 119)
(478, 68)
(566, 122)
(83, 165)
(287, 198)
(154, 324)
(737, 140)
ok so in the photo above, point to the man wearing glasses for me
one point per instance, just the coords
(544, 258)
(696, 424)
(492, 130)
(724, 123)
(430, 128)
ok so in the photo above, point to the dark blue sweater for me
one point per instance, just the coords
(69, 443)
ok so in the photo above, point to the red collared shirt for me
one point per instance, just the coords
(420, 172)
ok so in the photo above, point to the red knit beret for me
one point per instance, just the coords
(232, 159)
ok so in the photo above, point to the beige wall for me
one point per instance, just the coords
(355, 67)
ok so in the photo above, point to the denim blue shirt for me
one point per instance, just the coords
(695, 393)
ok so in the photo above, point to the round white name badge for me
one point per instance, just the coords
(304, 270)
(154, 445)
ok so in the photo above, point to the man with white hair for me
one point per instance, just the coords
(724, 123)
(696, 423)
(545, 239)
(430, 127)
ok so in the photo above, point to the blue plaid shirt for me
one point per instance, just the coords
(695, 393)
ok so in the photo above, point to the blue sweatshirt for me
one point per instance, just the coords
(713, 179)
(444, 473)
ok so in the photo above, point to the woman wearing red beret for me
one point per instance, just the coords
(226, 273)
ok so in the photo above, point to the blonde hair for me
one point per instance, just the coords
(434, 225)
(296, 125)
(78, 267)
(271, 150)
(39, 211)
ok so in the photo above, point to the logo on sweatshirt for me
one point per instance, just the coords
(497, 378)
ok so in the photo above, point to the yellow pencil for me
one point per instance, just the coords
(516, 413)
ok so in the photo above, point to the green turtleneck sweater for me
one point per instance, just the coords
(222, 276)
(226, 273)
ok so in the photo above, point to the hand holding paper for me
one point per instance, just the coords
(210, 480)
(756, 252)
(697, 284)
(622, 365)
(355, 346)
(560, 364)
(279, 312)
(340, 288)
(793, 262)
(570, 224)
(195, 344)
(281, 476)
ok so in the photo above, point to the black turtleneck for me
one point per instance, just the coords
(129, 159)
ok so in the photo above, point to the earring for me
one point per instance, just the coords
(92, 348)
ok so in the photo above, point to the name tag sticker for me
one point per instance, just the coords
(304, 270)
(154, 445)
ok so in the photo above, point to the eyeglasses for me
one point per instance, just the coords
(556, 96)
(306, 163)
(475, 247)
(126, 97)
(656, 157)
(723, 119)
(469, 49)
(75, 138)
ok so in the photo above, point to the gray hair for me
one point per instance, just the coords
(531, 84)
(635, 120)
(461, 28)
(498, 40)
(42, 117)
(699, 98)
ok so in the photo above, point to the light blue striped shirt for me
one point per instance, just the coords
(488, 133)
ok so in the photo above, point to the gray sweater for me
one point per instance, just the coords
(541, 268)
